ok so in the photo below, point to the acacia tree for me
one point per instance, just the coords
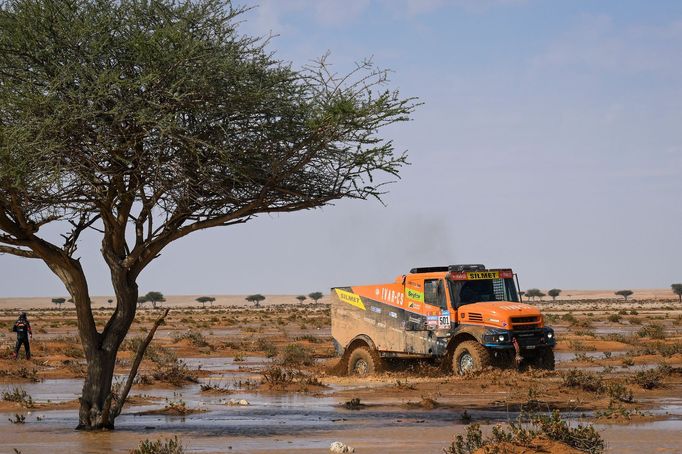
(154, 297)
(59, 301)
(624, 293)
(256, 299)
(315, 296)
(301, 298)
(677, 290)
(148, 121)
(554, 293)
(533, 293)
(205, 299)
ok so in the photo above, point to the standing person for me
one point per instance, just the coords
(23, 329)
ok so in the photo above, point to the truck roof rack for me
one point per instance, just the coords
(429, 269)
(440, 269)
(468, 267)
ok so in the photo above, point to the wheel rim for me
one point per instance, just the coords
(361, 367)
(466, 363)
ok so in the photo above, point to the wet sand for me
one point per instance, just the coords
(411, 407)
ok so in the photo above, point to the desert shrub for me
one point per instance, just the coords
(568, 317)
(635, 321)
(278, 377)
(653, 331)
(622, 312)
(175, 373)
(668, 350)
(297, 355)
(581, 437)
(627, 362)
(584, 438)
(634, 312)
(468, 443)
(652, 378)
(579, 346)
(196, 338)
(310, 338)
(18, 395)
(587, 381)
(614, 318)
(619, 392)
(73, 352)
(169, 446)
(267, 346)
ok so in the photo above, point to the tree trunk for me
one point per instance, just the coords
(95, 402)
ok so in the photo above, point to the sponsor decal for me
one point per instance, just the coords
(414, 320)
(391, 296)
(393, 314)
(414, 295)
(431, 322)
(350, 298)
(479, 275)
(375, 309)
(413, 305)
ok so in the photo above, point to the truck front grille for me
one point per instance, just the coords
(525, 322)
(475, 317)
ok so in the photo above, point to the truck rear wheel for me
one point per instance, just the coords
(470, 356)
(363, 361)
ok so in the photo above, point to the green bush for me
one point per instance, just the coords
(297, 355)
(653, 331)
(587, 381)
(170, 446)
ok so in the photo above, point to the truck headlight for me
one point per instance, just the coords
(501, 338)
(550, 335)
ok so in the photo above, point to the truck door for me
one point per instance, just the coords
(434, 296)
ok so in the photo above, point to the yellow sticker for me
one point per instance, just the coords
(479, 275)
(350, 298)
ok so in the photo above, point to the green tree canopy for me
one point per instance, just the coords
(624, 293)
(301, 298)
(677, 290)
(257, 298)
(315, 296)
(147, 121)
(533, 293)
(554, 293)
(205, 299)
(154, 297)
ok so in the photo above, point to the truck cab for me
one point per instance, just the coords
(468, 315)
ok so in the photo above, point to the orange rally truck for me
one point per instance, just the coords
(468, 315)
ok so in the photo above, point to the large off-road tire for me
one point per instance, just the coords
(544, 359)
(470, 356)
(363, 361)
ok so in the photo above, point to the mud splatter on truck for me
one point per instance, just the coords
(468, 315)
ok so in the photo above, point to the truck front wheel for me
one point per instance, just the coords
(470, 356)
(362, 362)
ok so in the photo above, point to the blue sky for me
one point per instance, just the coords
(550, 140)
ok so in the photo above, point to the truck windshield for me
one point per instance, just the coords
(476, 291)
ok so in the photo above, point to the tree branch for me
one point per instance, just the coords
(136, 365)
(18, 252)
